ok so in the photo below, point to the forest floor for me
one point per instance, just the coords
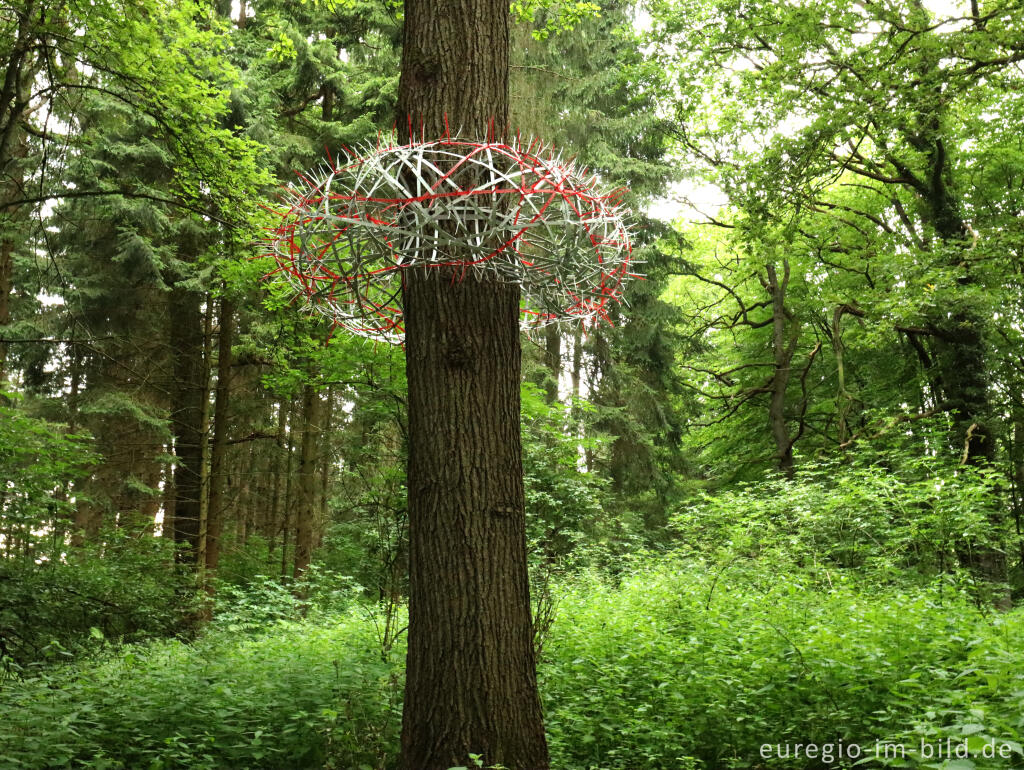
(673, 664)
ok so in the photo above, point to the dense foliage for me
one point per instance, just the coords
(680, 663)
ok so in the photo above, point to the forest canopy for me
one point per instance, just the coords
(774, 499)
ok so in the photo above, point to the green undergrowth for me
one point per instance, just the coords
(684, 665)
(673, 666)
(294, 695)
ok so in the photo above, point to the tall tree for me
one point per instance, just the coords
(590, 90)
(188, 393)
(856, 133)
(216, 508)
(306, 507)
(471, 681)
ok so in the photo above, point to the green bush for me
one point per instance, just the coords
(37, 458)
(687, 662)
(58, 601)
(881, 521)
(126, 590)
(265, 600)
(297, 696)
(677, 664)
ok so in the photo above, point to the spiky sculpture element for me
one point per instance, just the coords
(466, 209)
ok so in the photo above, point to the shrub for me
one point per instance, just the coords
(296, 696)
(679, 664)
(685, 662)
(878, 520)
(126, 591)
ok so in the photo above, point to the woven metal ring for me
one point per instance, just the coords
(470, 210)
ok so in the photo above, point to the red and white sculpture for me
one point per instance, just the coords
(350, 230)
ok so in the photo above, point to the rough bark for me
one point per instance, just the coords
(783, 349)
(6, 284)
(470, 673)
(959, 355)
(186, 335)
(10, 216)
(289, 486)
(553, 362)
(844, 400)
(471, 682)
(19, 69)
(454, 65)
(218, 451)
(308, 496)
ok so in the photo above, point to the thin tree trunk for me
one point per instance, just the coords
(844, 401)
(246, 500)
(305, 511)
(577, 362)
(326, 464)
(204, 437)
(575, 380)
(553, 361)
(278, 460)
(215, 510)
(783, 350)
(6, 284)
(149, 508)
(286, 527)
(1017, 459)
(170, 499)
(65, 492)
(186, 336)
(471, 681)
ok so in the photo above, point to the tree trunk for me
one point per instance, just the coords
(204, 437)
(215, 509)
(844, 401)
(170, 498)
(186, 335)
(278, 465)
(575, 383)
(471, 681)
(245, 498)
(552, 361)
(960, 358)
(289, 486)
(326, 464)
(23, 63)
(1017, 477)
(308, 497)
(6, 284)
(68, 489)
(783, 350)
(10, 217)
